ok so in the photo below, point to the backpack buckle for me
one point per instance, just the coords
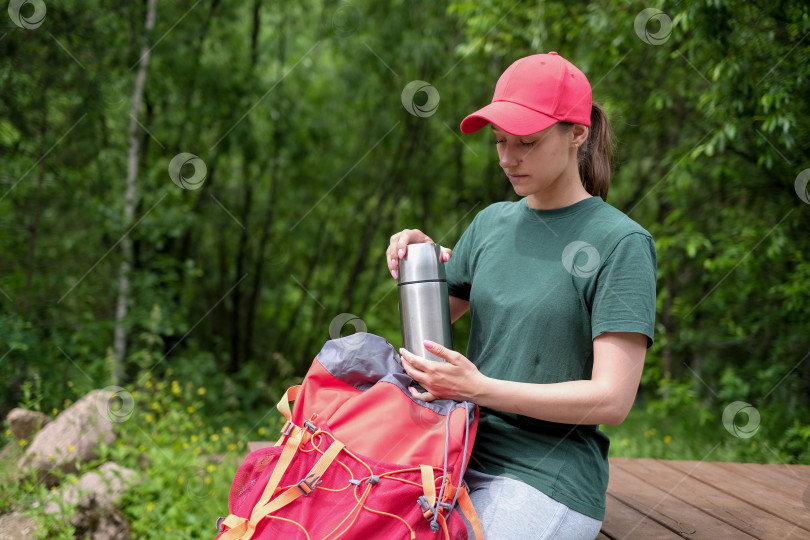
(219, 524)
(310, 424)
(287, 428)
(311, 482)
(425, 507)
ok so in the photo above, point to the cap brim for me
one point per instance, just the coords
(510, 117)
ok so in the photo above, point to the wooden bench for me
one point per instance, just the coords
(651, 499)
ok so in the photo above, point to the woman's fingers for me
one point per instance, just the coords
(398, 247)
(423, 396)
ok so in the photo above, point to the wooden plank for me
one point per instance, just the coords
(647, 497)
(256, 445)
(788, 477)
(601, 536)
(737, 513)
(769, 496)
(626, 523)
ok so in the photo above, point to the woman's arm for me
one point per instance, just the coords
(605, 399)
(458, 307)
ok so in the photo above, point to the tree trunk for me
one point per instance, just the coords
(120, 340)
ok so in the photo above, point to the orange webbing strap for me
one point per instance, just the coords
(311, 481)
(245, 528)
(428, 483)
(466, 507)
(234, 527)
(239, 528)
(283, 406)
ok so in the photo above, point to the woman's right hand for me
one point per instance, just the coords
(398, 248)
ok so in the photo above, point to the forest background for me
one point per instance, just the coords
(196, 195)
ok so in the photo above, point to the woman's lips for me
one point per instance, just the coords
(516, 177)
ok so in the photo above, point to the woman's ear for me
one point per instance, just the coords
(579, 134)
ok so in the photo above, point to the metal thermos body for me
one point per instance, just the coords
(424, 305)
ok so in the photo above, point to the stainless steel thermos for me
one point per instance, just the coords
(424, 306)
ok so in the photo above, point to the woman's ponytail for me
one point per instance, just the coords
(593, 157)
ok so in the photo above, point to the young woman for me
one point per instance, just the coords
(561, 291)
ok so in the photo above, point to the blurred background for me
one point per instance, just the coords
(196, 195)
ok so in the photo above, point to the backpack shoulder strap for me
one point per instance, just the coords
(466, 507)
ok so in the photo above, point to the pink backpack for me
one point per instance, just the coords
(359, 457)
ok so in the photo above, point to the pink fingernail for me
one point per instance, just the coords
(429, 344)
(394, 274)
(401, 252)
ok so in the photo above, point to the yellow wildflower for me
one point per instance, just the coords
(193, 438)
(667, 439)
(55, 411)
(261, 431)
(201, 391)
(231, 446)
(150, 506)
(207, 480)
(211, 467)
(214, 437)
(190, 409)
(141, 448)
(71, 448)
(23, 442)
(148, 418)
(226, 430)
(186, 446)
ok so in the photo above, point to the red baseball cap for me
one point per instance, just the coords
(534, 93)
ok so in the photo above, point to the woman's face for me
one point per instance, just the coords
(541, 166)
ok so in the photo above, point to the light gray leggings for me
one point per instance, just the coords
(510, 509)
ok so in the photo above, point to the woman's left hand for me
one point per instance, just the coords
(456, 379)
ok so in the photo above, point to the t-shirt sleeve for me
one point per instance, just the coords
(624, 300)
(458, 268)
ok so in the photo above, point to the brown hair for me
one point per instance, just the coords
(595, 154)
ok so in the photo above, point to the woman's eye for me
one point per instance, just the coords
(527, 143)
(498, 141)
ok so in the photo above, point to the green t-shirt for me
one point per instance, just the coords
(542, 284)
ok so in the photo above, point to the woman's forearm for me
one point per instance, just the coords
(571, 402)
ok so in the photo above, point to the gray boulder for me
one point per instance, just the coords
(17, 527)
(73, 437)
(102, 487)
(24, 423)
(99, 520)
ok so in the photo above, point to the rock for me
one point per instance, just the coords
(73, 437)
(105, 485)
(24, 423)
(99, 520)
(17, 527)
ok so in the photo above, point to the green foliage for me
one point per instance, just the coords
(313, 162)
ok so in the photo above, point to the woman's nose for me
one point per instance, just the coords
(508, 157)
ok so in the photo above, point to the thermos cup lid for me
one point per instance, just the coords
(422, 262)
